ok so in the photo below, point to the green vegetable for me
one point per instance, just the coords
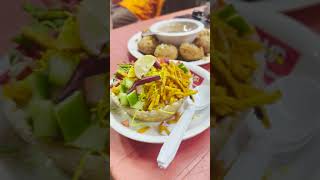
(93, 138)
(125, 67)
(122, 71)
(183, 67)
(132, 98)
(39, 85)
(43, 118)
(61, 66)
(32, 9)
(139, 105)
(18, 91)
(69, 37)
(127, 83)
(39, 34)
(80, 168)
(240, 25)
(34, 86)
(123, 88)
(73, 116)
(102, 111)
(44, 14)
(230, 15)
(23, 41)
(123, 99)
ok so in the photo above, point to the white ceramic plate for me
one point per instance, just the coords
(200, 122)
(133, 49)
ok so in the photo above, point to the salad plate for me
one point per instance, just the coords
(133, 49)
(200, 122)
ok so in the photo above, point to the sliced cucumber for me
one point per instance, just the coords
(73, 116)
(122, 72)
(39, 34)
(128, 83)
(34, 86)
(139, 105)
(123, 88)
(123, 99)
(61, 68)
(93, 138)
(183, 67)
(43, 118)
(39, 85)
(132, 98)
(69, 37)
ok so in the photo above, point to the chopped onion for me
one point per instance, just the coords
(4, 77)
(86, 68)
(143, 81)
(157, 65)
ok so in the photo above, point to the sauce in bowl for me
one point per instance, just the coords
(175, 27)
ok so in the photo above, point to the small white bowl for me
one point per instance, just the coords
(176, 38)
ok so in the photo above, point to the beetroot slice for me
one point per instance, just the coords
(157, 65)
(86, 68)
(4, 77)
(143, 81)
(24, 73)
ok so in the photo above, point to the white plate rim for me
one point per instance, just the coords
(133, 50)
(131, 134)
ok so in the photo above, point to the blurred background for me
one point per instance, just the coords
(124, 12)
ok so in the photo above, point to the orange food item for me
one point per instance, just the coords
(143, 9)
(143, 129)
(125, 123)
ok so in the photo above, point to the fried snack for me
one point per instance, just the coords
(205, 32)
(233, 68)
(166, 51)
(204, 42)
(191, 52)
(147, 44)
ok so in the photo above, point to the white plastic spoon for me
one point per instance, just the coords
(171, 146)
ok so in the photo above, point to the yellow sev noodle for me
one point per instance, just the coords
(173, 86)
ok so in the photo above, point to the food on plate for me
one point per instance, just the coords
(234, 67)
(236, 80)
(148, 44)
(191, 52)
(166, 51)
(177, 27)
(55, 89)
(205, 32)
(203, 40)
(197, 50)
(151, 89)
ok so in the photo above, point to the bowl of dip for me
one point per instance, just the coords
(177, 31)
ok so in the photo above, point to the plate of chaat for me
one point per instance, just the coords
(147, 98)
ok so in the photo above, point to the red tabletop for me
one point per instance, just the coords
(307, 16)
(135, 160)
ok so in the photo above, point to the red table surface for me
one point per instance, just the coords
(130, 159)
(309, 16)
